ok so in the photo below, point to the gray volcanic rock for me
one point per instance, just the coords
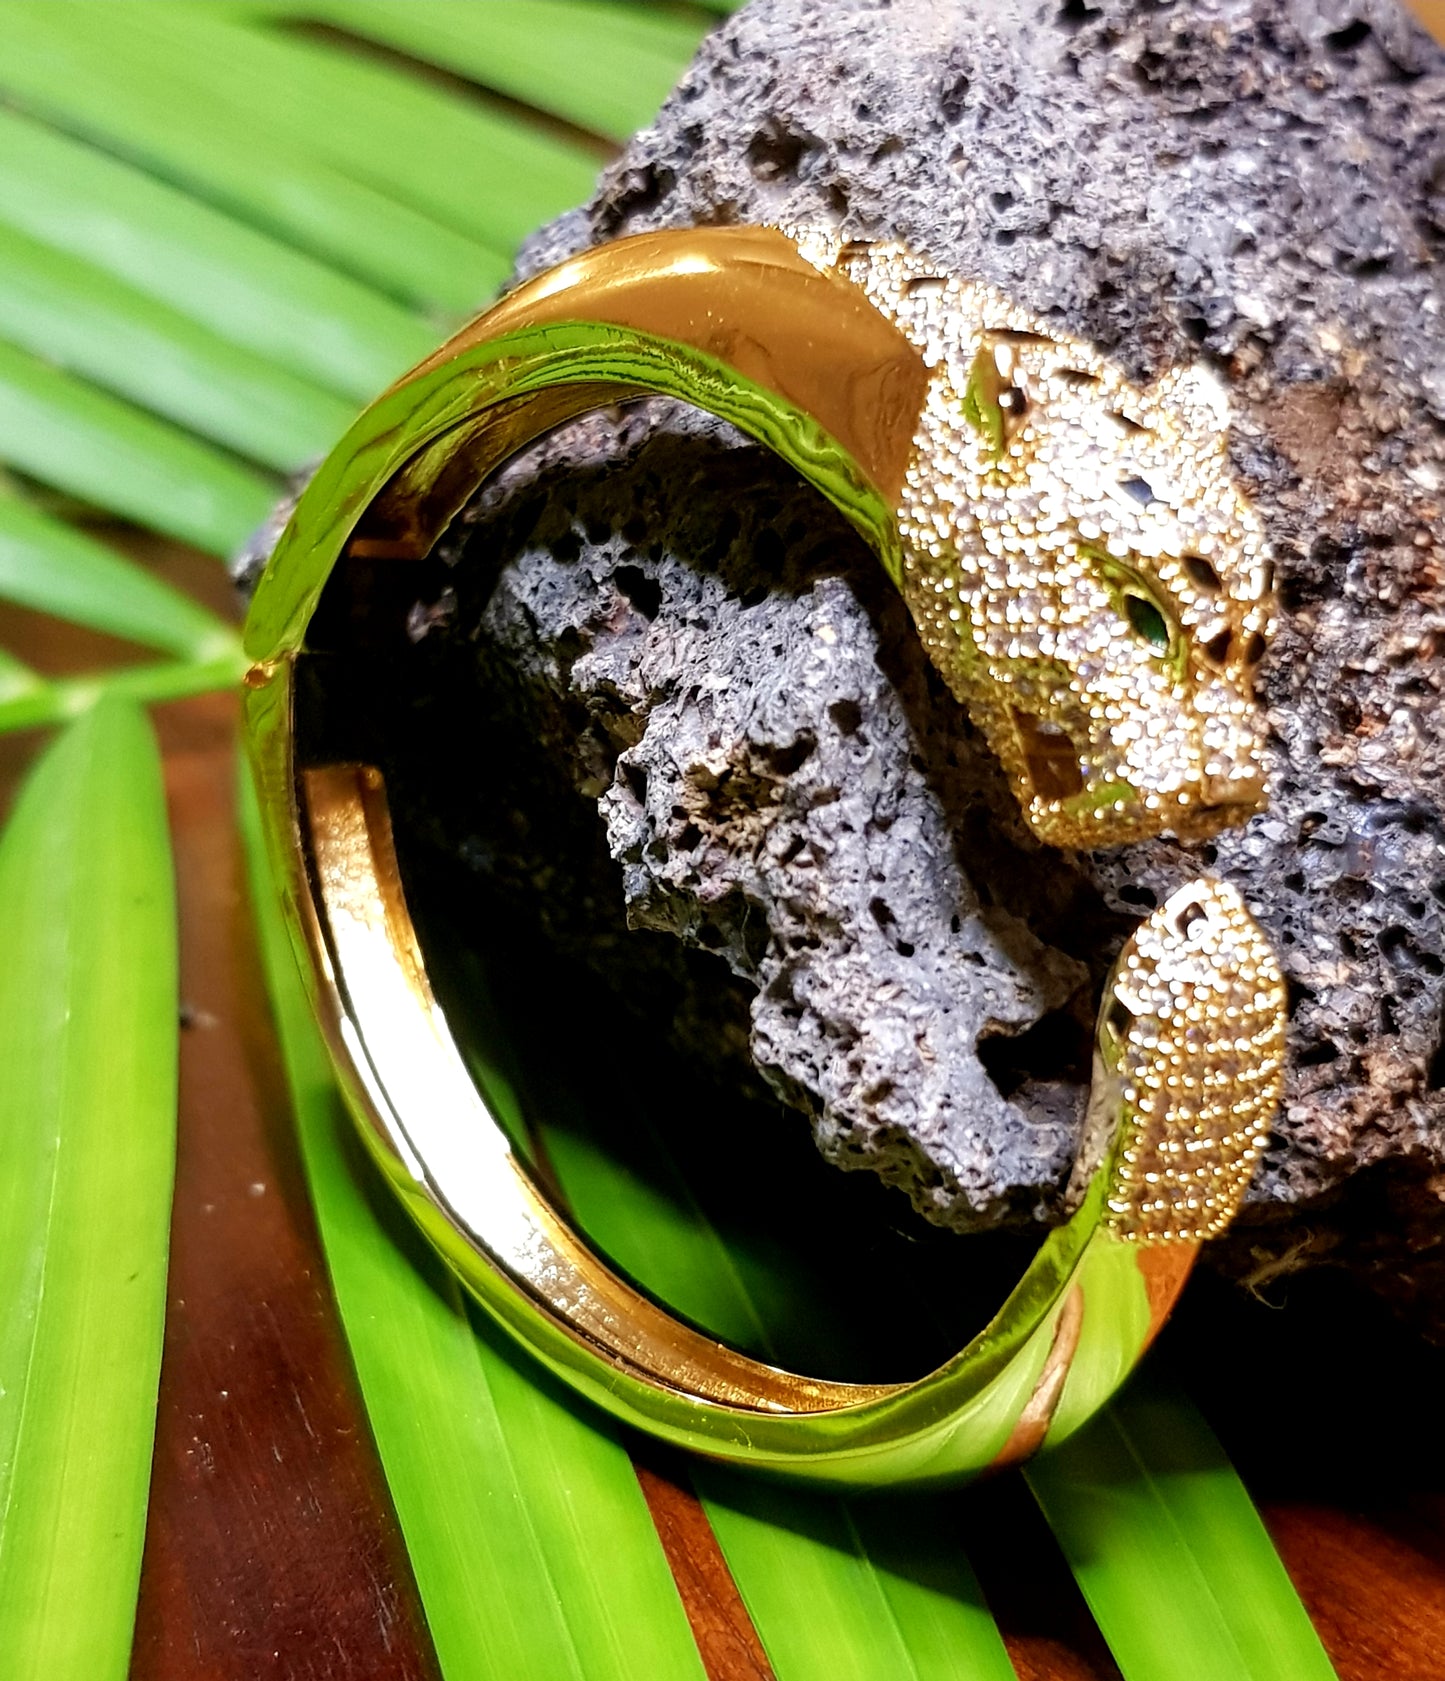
(711, 658)
(709, 672)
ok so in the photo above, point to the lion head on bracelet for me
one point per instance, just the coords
(1082, 566)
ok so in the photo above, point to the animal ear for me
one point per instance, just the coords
(1199, 393)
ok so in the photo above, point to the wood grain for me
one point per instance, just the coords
(1375, 1592)
(726, 1638)
(271, 1549)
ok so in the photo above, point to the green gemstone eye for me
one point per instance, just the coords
(1147, 621)
(981, 406)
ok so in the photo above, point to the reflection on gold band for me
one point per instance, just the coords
(743, 323)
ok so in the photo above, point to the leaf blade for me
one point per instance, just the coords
(82, 440)
(88, 72)
(86, 1153)
(80, 318)
(852, 1589)
(64, 698)
(1168, 1548)
(491, 177)
(606, 68)
(246, 286)
(839, 1589)
(55, 568)
(17, 680)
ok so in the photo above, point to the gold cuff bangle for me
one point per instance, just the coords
(1101, 637)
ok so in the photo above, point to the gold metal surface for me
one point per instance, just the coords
(442, 1122)
(1037, 1414)
(1102, 638)
(748, 298)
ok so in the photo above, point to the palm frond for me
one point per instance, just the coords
(606, 68)
(861, 1589)
(77, 438)
(488, 177)
(1169, 1550)
(867, 1590)
(52, 567)
(1157, 1527)
(250, 289)
(76, 315)
(87, 1128)
(86, 71)
(58, 699)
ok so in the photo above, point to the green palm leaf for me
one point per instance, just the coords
(74, 314)
(839, 1589)
(248, 288)
(603, 67)
(54, 568)
(488, 177)
(1160, 1532)
(17, 681)
(855, 1590)
(87, 1123)
(62, 698)
(1170, 1553)
(76, 438)
(83, 67)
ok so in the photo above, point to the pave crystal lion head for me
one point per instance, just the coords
(1082, 567)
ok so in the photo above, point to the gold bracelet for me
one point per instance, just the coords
(1093, 588)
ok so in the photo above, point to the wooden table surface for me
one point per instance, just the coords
(272, 1550)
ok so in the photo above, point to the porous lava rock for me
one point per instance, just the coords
(708, 748)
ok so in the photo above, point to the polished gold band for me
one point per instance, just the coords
(738, 322)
